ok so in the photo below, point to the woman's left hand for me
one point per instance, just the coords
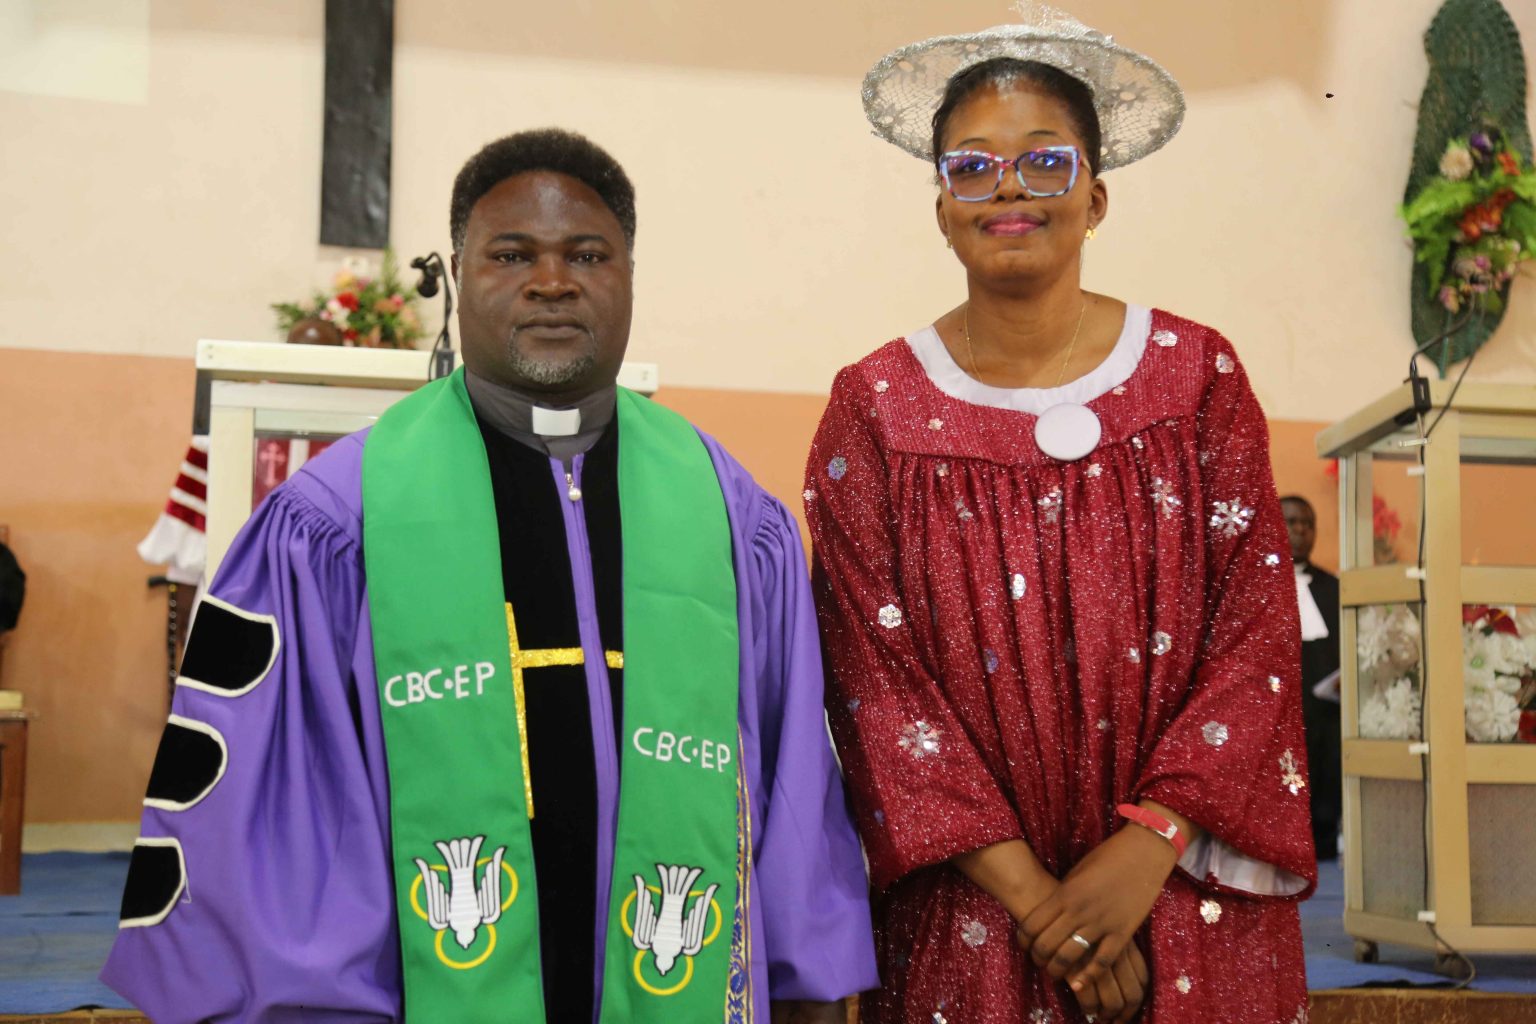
(1104, 899)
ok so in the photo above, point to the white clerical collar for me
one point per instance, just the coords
(556, 422)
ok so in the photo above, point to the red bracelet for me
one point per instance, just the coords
(1157, 823)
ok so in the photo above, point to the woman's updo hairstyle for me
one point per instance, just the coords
(1001, 72)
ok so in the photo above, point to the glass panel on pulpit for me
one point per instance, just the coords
(1503, 834)
(1498, 514)
(1394, 511)
(1387, 652)
(1392, 829)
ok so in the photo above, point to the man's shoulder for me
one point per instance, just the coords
(332, 482)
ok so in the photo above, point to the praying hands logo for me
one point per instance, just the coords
(461, 906)
(667, 934)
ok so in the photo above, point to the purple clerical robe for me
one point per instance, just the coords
(284, 909)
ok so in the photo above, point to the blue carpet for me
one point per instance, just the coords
(56, 934)
(1331, 952)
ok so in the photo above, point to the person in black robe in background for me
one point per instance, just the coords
(1317, 593)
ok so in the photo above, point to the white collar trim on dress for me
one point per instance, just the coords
(1115, 370)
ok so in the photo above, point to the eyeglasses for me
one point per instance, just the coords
(972, 175)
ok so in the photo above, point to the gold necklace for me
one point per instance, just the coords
(1072, 347)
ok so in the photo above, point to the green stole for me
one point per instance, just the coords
(454, 726)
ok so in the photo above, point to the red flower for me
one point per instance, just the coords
(348, 299)
(1332, 472)
(1508, 163)
(1495, 619)
(1384, 521)
(350, 334)
(1527, 730)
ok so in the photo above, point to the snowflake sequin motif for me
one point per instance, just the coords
(935, 424)
(890, 616)
(942, 470)
(1164, 498)
(1271, 559)
(882, 386)
(974, 934)
(1017, 586)
(1291, 777)
(1274, 684)
(939, 1018)
(837, 467)
(965, 514)
(879, 817)
(1050, 506)
(989, 660)
(920, 740)
(808, 494)
(1182, 984)
(1134, 655)
(1206, 457)
(853, 705)
(1215, 733)
(1230, 518)
(1210, 910)
(1119, 389)
(1039, 1016)
(1137, 443)
(1103, 725)
(1094, 470)
(1225, 363)
(1162, 643)
(1165, 339)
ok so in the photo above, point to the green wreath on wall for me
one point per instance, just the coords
(1471, 196)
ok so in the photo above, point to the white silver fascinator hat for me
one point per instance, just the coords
(1139, 104)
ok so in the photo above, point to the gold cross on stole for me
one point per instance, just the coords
(546, 657)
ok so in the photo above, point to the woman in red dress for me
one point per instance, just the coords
(1055, 589)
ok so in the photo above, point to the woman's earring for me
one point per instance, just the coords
(1092, 233)
(949, 242)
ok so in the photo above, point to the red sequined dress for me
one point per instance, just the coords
(1018, 644)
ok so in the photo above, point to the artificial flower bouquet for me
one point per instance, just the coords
(1475, 222)
(361, 308)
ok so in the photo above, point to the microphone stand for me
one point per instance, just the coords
(434, 275)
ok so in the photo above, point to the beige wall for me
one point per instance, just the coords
(169, 191)
(779, 240)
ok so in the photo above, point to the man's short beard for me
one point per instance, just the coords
(552, 373)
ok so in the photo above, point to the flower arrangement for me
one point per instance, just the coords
(364, 309)
(1499, 665)
(1474, 223)
(1498, 673)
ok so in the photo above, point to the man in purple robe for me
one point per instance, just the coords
(262, 887)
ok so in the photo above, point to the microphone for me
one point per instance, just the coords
(431, 268)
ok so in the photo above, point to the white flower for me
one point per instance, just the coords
(1506, 654)
(1493, 716)
(339, 313)
(1456, 164)
(1392, 712)
(1387, 643)
(1476, 669)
